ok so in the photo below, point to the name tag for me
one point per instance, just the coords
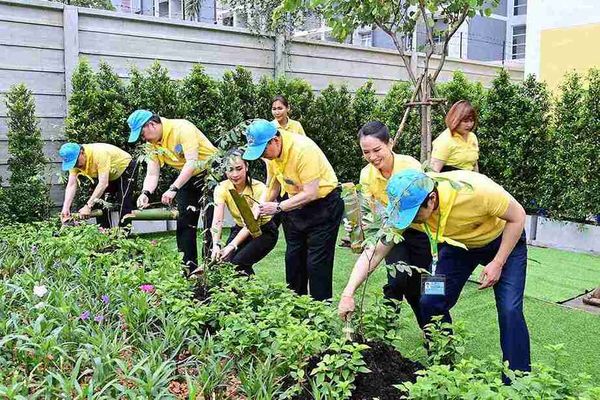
(433, 285)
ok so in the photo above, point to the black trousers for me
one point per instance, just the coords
(252, 250)
(413, 250)
(120, 193)
(311, 234)
(192, 198)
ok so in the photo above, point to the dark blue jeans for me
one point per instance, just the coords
(457, 265)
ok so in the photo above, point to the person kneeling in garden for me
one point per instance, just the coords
(475, 221)
(114, 170)
(179, 144)
(241, 249)
(313, 212)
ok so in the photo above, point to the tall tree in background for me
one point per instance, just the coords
(27, 196)
(440, 20)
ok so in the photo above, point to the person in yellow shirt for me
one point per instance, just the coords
(111, 168)
(280, 109)
(313, 212)
(479, 223)
(241, 249)
(457, 147)
(376, 146)
(180, 145)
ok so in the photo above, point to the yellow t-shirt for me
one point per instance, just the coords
(178, 137)
(469, 215)
(291, 126)
(101, 158)
(373, 184)
(301, 161)
(455, 151)
(222, 196)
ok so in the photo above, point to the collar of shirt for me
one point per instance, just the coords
(286, 145)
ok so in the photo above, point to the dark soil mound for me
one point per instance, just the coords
(388, 367)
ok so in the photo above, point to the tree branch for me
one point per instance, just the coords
(449, 35)
(407, 111)
(401, 51)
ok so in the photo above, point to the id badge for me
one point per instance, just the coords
(433, 285)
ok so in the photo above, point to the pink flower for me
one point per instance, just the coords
(154, 242)
(147, 288)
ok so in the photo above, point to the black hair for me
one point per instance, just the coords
(376, 129)
(424, 202)
(236, 152)
(154, 118)
(282, 99)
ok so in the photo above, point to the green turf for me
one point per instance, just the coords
(554, 275)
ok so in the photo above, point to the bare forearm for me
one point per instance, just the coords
(272, 193)
(184, 176)
(367, 262)
(240, 237)
(217, 223)
(98, 192)
(510, 236)
(150, 183)
(69, 196)
(297, 201)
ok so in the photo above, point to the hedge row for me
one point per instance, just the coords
(543, 149)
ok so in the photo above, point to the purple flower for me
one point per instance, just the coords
(147, 288)
(105, 299)
(85, 315)
(99, 318)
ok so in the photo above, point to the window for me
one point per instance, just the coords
(518, 42)
(366, 39)
(520, 7)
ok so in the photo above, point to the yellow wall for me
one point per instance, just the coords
(567, 49)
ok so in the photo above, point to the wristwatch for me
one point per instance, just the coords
(146, 192)
(278, 209)
(173, 188)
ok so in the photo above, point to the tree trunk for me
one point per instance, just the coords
(425, 117)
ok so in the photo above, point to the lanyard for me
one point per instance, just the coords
(434, 243)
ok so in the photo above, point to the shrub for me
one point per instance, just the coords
(98, 107)
(27, 197)
(201, 102)
(329, 127)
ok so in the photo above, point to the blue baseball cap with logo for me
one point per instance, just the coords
(69, 152)
(258, 134)
(136, 122)
(406, 192)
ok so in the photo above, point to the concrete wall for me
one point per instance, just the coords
(41, 42)
(486, 38)
(565, 50)
(563, 235)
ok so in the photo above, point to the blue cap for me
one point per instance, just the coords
(258, 134)
(406, 192)
(136, 122)
(69, 152)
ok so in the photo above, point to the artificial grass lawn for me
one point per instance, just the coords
(553, 275)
